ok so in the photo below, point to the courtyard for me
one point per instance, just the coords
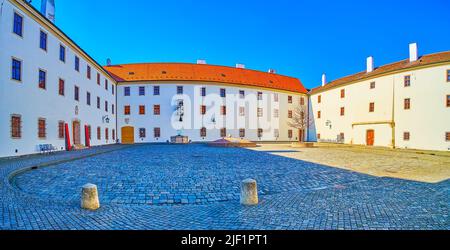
(157, 186)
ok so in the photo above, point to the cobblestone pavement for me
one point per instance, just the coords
(197, 187)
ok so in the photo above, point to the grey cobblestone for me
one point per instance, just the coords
(170, 187)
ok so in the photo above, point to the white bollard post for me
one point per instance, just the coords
(249, 192)
(89, 197)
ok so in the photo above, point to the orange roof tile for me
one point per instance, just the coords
(203, 73)
(388, 68)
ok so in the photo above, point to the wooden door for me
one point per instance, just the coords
(76, 133)
(370, 137)
(127, 135)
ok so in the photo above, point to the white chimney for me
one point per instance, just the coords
(272, 71)
(201, 61)
(48, 9)
(324, 79)
(240, 66)
(370, 64)
(413, 52)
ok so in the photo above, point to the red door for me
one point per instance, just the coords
(370, 137)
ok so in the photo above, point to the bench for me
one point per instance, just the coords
(46, 148)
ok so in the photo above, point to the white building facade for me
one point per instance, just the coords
(400, 105)
(46, 82)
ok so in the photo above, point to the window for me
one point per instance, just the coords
(319, 99)
(61, 87)
(276, 133)
(114, 135)
(406, 136)
(41, 128)
(112, 90)
(342, 111)
(155, 90)
(62, 53)
(99, 133)
(106, 84)
(276, 113)
(260, 96)
(156, 109)
(276, 98)
(407, 81)
(447, 136)
(290, 134)
(43, 40)
(241, 94)
(77, 93)
(223, 132)
(448, 101)
(448, 75)
(16, 70)
(241, 111)
(260, 112)
(98, 102)
(106, 106)
(18, 25)
(260, 132)
(88, 98)
(203, 91)
(61, 129)
(223, 93)
(142, 109)
(113, 109)
(372, 107)
(342, 93)
(106, 133)
(318, 136)
(16, 126)
(77, 63)
(223, 110)
(319, 114)
(342, 137)
(290, 114)
(372, 85)
(203, 132)
(88, 72)
(203, 109)
(98, 79)
(127, 110)
(127, 91)
(42, 79)
(242, 133)
(157, 132)
(142, 133)
(179, 90)
(302, 101)
(407, 104)
(289, 99)
(142, 91)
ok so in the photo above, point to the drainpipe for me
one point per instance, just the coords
(393, 113)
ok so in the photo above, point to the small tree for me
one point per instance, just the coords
(300, 121)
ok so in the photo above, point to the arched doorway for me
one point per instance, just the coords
(127, 135)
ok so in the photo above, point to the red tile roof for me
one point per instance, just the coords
(389, 68)
(203, 73)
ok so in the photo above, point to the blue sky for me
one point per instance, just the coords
(296, 37)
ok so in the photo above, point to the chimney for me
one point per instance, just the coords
(272, 71)
(48, 9)
(413, 52)
(240, 66)
(201, 61)
(108, 62)
(324, 79)
(370, 64)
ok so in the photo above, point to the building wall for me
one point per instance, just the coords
(427, 121)
(164, 121)
(29, 101)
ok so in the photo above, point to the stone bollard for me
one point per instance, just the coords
(89, 197)
(249, 192)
